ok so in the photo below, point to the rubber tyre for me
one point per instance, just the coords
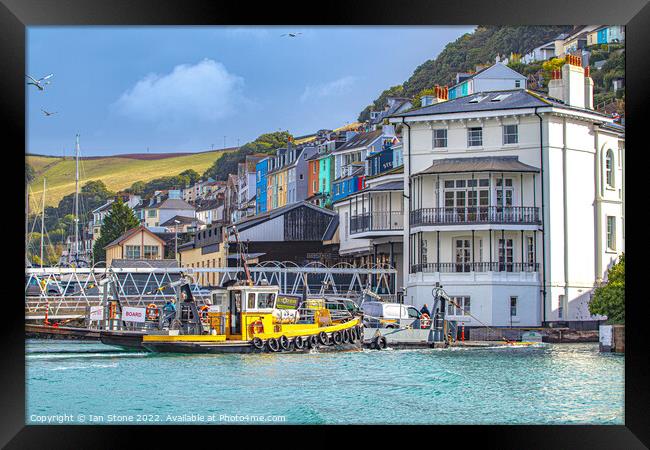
(382, 343)
(273, 345)
(258, 343)
(299, 343)
(353, 335)
(337, 338)
(322, 338)
(345, 335)
(284, 342)
(312, 342)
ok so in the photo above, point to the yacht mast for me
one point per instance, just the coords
(43, 222)
(76, 199)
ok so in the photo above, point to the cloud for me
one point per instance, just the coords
(204, 92)
(331, 88)
(254, 32)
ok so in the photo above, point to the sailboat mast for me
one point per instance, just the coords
(76, 199)
(26, 221)
(42, 222)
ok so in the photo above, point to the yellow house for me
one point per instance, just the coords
(208, 249)
(136, 243)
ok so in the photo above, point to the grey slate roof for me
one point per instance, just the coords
(181, 219)
(517, 99)
(145, 263)
(360, 140)
(478, 164)
(263, 217)
(397, 185)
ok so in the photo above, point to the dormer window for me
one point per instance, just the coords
(478, 98)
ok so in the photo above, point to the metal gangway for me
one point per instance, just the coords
(68, 292)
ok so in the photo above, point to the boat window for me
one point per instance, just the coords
(413, 313)
(265, 300)
(251, 301)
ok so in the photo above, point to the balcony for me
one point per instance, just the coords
(377, 224)
(474, 267)
(514, 215)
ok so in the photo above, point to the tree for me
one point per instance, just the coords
(120, 219)
(609, 300)
(191, 174)
(91, 195)
(30, 173)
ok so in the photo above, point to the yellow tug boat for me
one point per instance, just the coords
(244, 319)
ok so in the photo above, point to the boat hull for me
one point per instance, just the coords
(236, 347)
(125, 339)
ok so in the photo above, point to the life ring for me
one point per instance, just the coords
(273, 344)
(322, 338)
(112, 310)
(345, 334)
(284, 342)
(152, 312)
(379, 343)
(337, 338)
(299, 343)
(258, 343)
(312, 341)
(425, 320)
(256, 327)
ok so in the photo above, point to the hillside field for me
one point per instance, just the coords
(117, 172)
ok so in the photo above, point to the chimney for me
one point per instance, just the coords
(441, 94)
(570, 84)
(589, 89)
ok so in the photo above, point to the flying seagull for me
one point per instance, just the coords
(41, 82)
(290, 34)
(47, 113)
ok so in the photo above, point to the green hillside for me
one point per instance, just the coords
(115, 171)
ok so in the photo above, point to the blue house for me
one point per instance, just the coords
(261, 183)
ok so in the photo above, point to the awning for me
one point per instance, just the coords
(478, 164)
(397, 185)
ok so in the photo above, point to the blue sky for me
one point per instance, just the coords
(126, 89)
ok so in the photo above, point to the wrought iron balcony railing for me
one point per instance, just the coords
(475, 267)
(377, 221)
(476, 214)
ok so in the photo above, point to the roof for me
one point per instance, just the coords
(360, 140)
(145, 263)
(393, 108)
(171, 203)
(182, 219)
(397, 185)
(206, 206)
(104, 207)
(478, 164)
(263, 217)
(130, 233)
(515, 99)
(331, 229)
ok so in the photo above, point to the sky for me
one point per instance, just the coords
(182, 89)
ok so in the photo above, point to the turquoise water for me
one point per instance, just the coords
(71, 382)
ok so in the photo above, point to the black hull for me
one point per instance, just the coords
(124, 339)
(50, 332)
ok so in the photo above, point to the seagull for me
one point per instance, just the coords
(290, 34)
(40, 82)
(47, 113)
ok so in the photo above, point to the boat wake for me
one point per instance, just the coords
(71, 355)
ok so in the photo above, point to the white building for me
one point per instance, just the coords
(515, 202)
(497, 77)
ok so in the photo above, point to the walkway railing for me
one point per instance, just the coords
(475, 267)
(476, 214)
(377, 221)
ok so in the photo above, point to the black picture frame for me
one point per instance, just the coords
(15, 15)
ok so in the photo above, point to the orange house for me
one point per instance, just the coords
(312, 177)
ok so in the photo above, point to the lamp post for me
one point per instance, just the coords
(176, 222)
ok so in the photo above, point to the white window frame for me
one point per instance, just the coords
(439, 139)
(610, 180)
(471, 142)
(611, 233)
(507, 135)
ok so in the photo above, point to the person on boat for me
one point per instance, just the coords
(169, 310)
(425, 310)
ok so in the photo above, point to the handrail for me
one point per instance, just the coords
(475, 267)
(475, 214)
(377, 221)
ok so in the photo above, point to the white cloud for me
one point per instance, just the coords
(331, 88)
(203, 92)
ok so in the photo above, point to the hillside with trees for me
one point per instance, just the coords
(464, 54)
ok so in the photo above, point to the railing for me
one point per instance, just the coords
(475, 214)
(377, 221)
(475, 267)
